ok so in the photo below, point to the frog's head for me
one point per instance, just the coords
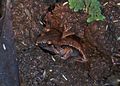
(46, 40)
(48, 48)
(48, 36)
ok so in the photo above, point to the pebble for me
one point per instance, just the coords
(65, 3)
(53, 58)
(118, 4)
(50, 70)
(64, 77)
(4, 47)
(106, 27)
(115, 21)
(118, 38)
(44, 73)
(105, 3)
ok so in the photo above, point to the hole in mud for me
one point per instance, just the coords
(51, 7)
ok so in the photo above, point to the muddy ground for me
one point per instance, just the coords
(39, 68)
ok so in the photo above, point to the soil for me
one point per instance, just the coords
(101, 44)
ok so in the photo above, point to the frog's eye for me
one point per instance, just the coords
(49, 42)
(47, 29)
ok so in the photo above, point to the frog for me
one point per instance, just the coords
(52, 41)
(61, 36)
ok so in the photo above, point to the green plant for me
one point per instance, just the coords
(92, 7)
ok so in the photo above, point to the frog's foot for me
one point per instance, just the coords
(82, 57)
(81, 60)
(66, 53)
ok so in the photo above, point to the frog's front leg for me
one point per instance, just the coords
(65, 53)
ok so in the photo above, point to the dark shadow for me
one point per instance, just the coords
(8, 63)
(1, 11)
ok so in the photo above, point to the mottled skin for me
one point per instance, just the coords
(53, 38)
(63, 51)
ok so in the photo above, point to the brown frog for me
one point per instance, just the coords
(63, 51)
(63, 33)
(65, 47)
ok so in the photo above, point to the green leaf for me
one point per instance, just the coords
(87, 3)
(91, 6)
(76, 5)
(90, 19)
(72, 4)
(79, 6)
(100, 17)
